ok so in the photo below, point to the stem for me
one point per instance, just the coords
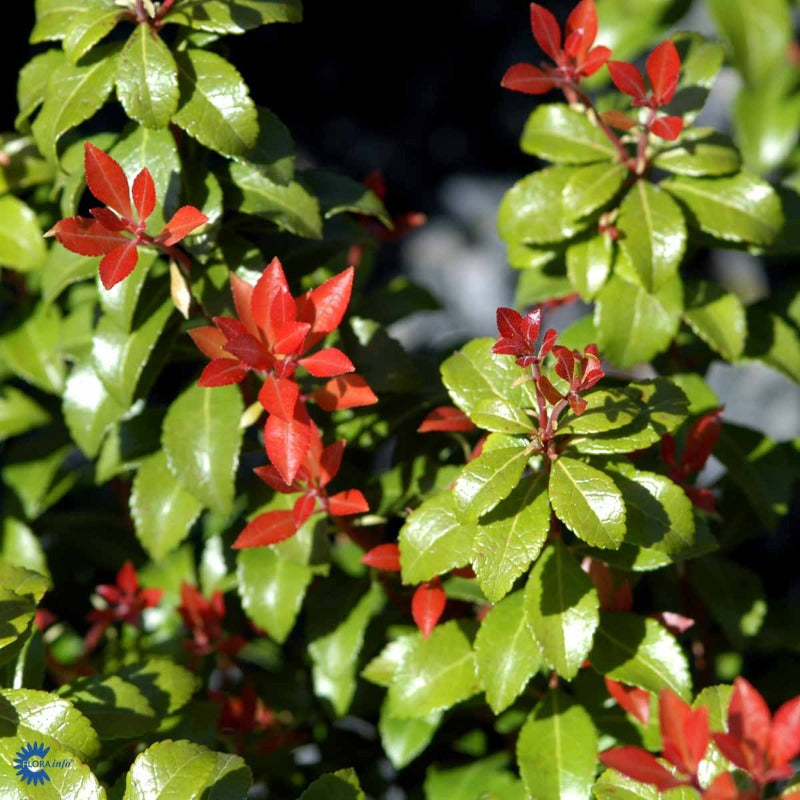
(540, 398)
(622, 152)
(554, 415)
(641, 146)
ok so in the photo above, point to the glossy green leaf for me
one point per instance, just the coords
(89, 409)
(484, 778)
(147, 79)
(606, 410)
(434, 540)
(701, 61)
(290, 207)
(88, 27)
(487, 480)
(589, 264)
(404, 739)
(511, 536)
(162, 510)
(613, 785)
(634, 326)
(20, 547)
(588, 502)
(698, 152)
(32, 83)
(534, 210)
(62, 269)
(187, 770)
(556, 132)
(74, 94)
(21, 243)
(202, 438)
(506, 653)
(494, 414)
(773, 339)
(557, 749)
(119, 303)
(740, 208)
(233, 16)
(717, 317)
(335, 655)
(653, 236)
(340, 785)
(272, 589)
(16, 615)
(436, 673)
(338, 194)
(593, 187)
(166, 685)
(382, 668)
(562, 609)
(273, 152)
(54, 16)
(215, 106)
(640, 652)
(19, 413)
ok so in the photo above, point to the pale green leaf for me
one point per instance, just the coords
(340, 785)
(717, 317)
(593, 187)
(88, 27)
(487, 480)
(589, 264)
(557, 132)
(54, 16)
(382, 668)
(606, 410)
(19, 413)
(63, 268)
(166, 685)
(698, 152)
(487, 779)
(21, 244)
(20, 547)
(404, 739)
(233, 16)
(497, 415)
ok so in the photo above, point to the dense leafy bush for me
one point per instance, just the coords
(252, 545)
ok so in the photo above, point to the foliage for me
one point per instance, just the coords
(304, 560)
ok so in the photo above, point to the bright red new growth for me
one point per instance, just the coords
(427, 605)
(385, 557)
(635, 701)
(581, 372)
(446, 418)
(204, 620)
(113, 232)
(573, 61)
(518, 336)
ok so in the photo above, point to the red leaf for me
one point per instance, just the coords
(279, 396)
(327, 363)
(583, 20)
(628, 79)
(749, 719)
(667, 128)
(427, 605)
(595, 59)
(700, 441)
(222, 372)
(527, 79)
(565, 362)
(346, 391)
(635, 701)
(324, 307)
(272, 478)
(119, 263)
(127, 580)
(784, 738)
(640, 765)
(663, 67)
(271, 285)
(144, 194)
(723, 787)
(286, 441)
(385, 557)
(182, 223)
(108, 219)
(446, 418)
(289, 338)
(729, 747)
(349, 502)
(85, 236)
(106, 180)
(242, 299)
(552, 395)
(303, 508)
(684, 732)
(249, 351)
(619, 120)
(230, 327)
(546, 30)
(673, 622)
(265, 529)
(330, 461)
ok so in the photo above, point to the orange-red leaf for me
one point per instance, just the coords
(249, 351)
(144, 194)
(289, 338)
(618, 119)
(119, 263)
(635, 701)
(279, 396)
(628, 79)
(527, 79)
(286, 441)
(784, 738)
(546, 30)
(385, 557)
(330, 461)
(749, 719)
(640, 765)
(684, 732)
(700, 441)
(446, 418)
(663, 66)
(210, 341)
(85, 236)
(583, 21)
(108, 219)
(346, 391)
(595, 59)
(272, 478)
(242, 299)
(222, 372)
(182, 223)
(106, 180)
(427, 605)
(323, 308)
(266, 529)
(303, 508)
(327, 363)
(271, 286)
(667, 128)
(351, 501)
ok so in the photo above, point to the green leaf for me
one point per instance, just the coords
(634, 326)
(19, 413)
(21, 243)
(562, 605)
(606, 410)
(233, 16)
(487, 480)
(119, 303)
(382, 668)
(511, 536)
(759, 34)
(272, 588)
(89, 410)
(589, 264)
(20, 547)
(162, 510)
(202, 439)
(74, 94)
(434, 540)
(16, 615)
(339, 194)
(166, 685)
(273, 152)
(640, 652)
(31, 715)
(32, 83)
(588, 502)
(54, 16)
(593, 187)
(147, 79)
(88, 27)
(557, 749)
(653, 236)
(733, 594)
(187, 770)
(436, 673)
(335, 655)
(494, 414)
(698, 152)
(701, 61)
(612, 785)
(290, 206)
(23, 581)
(404, 739)
(506, 653)
(740, 208)
(340, 785)
(215, 106)
(717, 317)
(62, 269)
(556, 132)
(487, 778)
(534, 210)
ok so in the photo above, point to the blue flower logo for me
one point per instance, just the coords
(29, 763)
